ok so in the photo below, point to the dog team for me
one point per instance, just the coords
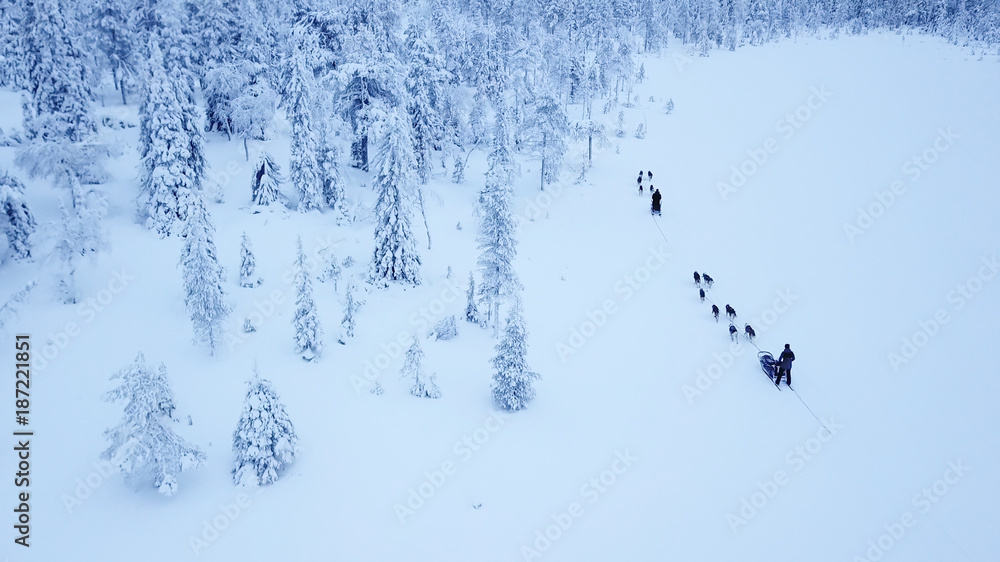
(655, 208)
(784, 363)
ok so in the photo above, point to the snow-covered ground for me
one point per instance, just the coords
(652, 437)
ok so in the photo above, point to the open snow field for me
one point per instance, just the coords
(843, 195)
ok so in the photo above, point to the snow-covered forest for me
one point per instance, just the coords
(334, 229)
(407, 91)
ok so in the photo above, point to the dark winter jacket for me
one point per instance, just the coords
(656, 198)
(786, 359)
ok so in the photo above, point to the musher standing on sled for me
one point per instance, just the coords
(785, 367)
(656, 201)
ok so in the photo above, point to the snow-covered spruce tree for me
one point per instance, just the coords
(477, 119)
(115, 40)
(395, 257)
(458, 173)
(265, 184)
(256, 37)
(305, 56)
(308, 332)
(512, 378)
(328, 159)
(67, 252)
(143, 446)
(729, 15)
(706, 26)
(168, 177)
(213, 27)
(179, 60)
(13, 73)
(16, 220)
(491, 65)
(471, 310)
(331, 269)
(203, 278)
(426, 127)
(424, 83)
(304, 170)
(264, 440)
(497, 236)
(589, 89)
(607, 65)
(350, 312)
(372, 80)
(140, 17)
(180, 55)
(58, 104)
(248, 264)
(757, 29)
(423, 386)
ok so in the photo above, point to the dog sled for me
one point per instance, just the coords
(655, 208)
(769, 365)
